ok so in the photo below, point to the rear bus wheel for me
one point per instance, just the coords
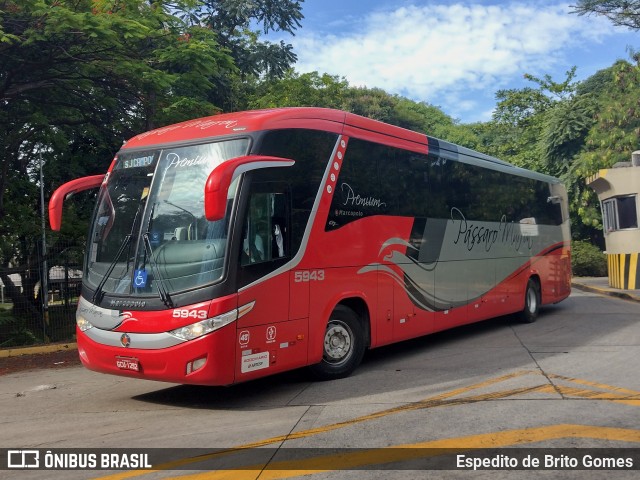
(531, 302)
(343, 345)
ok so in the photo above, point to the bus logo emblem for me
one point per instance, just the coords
(244, 338)
(125, 340)
(271, 333)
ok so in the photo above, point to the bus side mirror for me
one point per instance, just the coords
(65, 191)
(219, 181)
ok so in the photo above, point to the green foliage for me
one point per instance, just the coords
(13, 331)
(587, 260)
(374, 103)
(615, 131)
(520, 107)
(559, 90)
(232, 21)
(521, 118)
(300, 90)
(614, 134)
(565, 127)
(598, 83)
(624, 13)
(78, 77)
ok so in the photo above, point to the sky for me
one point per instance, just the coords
(453, 54)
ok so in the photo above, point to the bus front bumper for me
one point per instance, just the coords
(203, 361)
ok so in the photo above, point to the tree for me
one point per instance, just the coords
(300, 90)
(614, 134)
(233, 20)
(77, 77)
(624, 13)
(564, 130)
(239, 26)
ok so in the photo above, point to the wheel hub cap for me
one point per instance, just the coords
(337, 342)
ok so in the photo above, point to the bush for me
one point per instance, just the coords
(13, 331)
(587, 260)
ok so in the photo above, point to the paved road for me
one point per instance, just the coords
(570, 380)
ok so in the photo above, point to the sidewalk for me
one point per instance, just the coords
(37, 349)
(601, 285)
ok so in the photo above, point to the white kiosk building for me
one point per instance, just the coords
(618, 190)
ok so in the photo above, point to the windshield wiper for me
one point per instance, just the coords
(162, 290)
(99, 293)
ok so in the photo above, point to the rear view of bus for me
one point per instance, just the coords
(228, 248)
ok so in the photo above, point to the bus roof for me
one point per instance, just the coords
(276, 118)
(314, 118)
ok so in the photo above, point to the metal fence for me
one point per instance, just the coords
(30, 316)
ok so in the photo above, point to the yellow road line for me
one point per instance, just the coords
(594, 395)
(429, 402)
(602, 386)
(613, 394)
(440, 400)
(380, 456)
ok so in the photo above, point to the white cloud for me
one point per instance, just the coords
(434, 51)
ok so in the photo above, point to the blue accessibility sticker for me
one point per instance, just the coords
(140, 278)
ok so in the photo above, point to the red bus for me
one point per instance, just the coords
(237, 246)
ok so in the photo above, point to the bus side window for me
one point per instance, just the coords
(265, 229)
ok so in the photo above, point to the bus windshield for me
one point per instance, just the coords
(149, 234)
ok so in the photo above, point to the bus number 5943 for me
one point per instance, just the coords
(308, 276)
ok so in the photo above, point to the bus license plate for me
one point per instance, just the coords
(127, 363)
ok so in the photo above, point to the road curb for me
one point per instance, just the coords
(607, 291)
(57, 347)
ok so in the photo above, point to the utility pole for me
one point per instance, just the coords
(44, 283)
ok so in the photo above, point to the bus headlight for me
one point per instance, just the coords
(82, 323)
(196, 330)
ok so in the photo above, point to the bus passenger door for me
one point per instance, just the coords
(267, 340)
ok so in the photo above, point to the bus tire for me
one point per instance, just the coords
(343, 345)
(532, 301)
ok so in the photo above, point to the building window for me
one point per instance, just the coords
(619, 213)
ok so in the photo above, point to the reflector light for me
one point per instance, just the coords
(196, 365)
(199, 363)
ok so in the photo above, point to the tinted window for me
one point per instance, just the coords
(380, 180)
(311, 150)
(412, 176)
(365, 186)
(486, 195)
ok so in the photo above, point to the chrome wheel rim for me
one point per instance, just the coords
(337, 342)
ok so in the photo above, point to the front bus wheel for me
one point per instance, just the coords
(343, 345)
